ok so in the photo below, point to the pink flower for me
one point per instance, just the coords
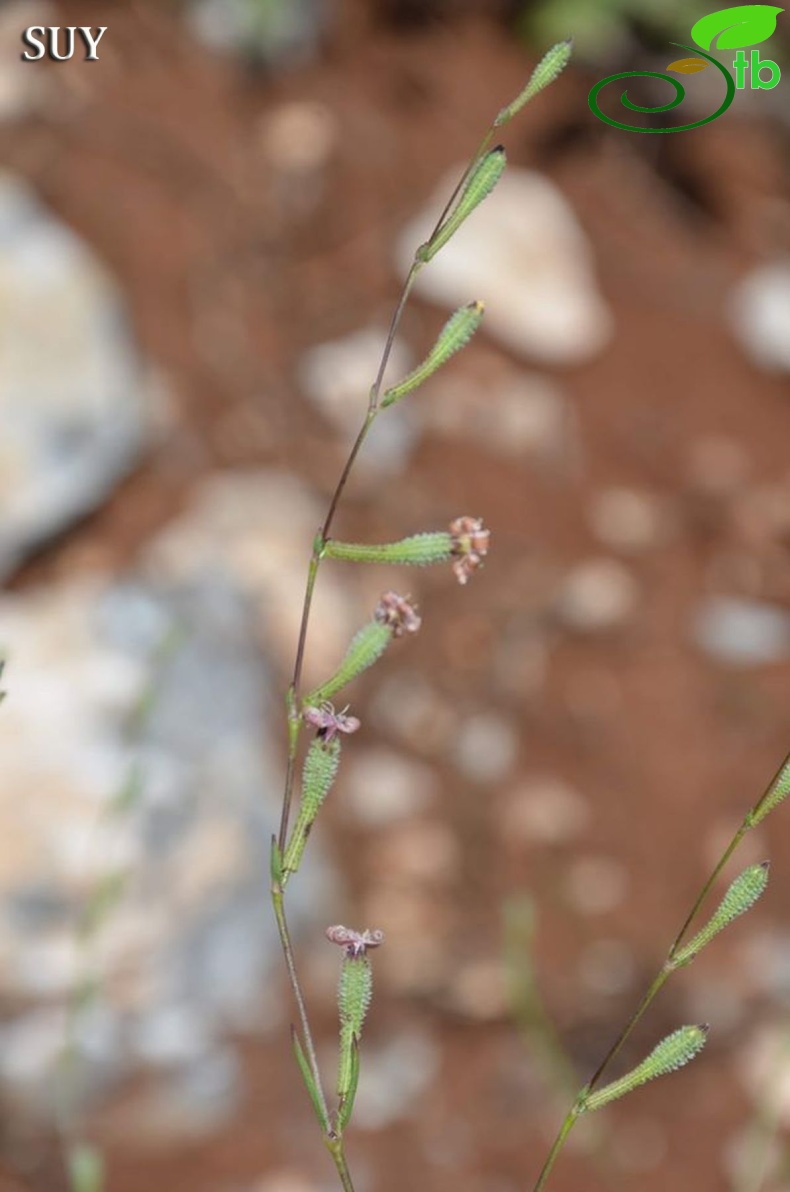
(470, 545)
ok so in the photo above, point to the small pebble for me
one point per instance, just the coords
(597, 595)
(596, 885)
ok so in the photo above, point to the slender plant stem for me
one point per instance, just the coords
(559, 1143)
(335, 1147)
(285, 939)
(657, 984)
(334, 1141)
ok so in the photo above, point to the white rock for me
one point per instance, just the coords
(527, 416)
(486, 748)
(544, 810)
(381, 786)
(742, 632)
(72, 396)
(628, 520)
(597, 595)
(764, 1069)
(525, 255)
(760, 315)
(596, 884)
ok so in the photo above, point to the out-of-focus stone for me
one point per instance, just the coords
(276, 33)
(627, 520)
(486, 748)
(524, 253)
(525, 417)
(543, 811)
(184, 950)
(298, 137)
(381, 786)
(394, 1076)
(759, 312)
(72, 389)
(596, 885)
(418, 852)
(742, 632)
(597, 595)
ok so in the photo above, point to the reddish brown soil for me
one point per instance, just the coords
(153, 155)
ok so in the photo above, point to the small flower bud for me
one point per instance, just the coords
(741, 895)
(671, 1053)
(419, 550)
(483, 177)
(777, 792)
(319, 773)
(551, 64)
(455, 334)
(397, 614)
(469, 546)
(354, 995)
(366, 647)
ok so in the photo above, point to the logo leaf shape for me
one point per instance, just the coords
(688, 65)
(744, 25)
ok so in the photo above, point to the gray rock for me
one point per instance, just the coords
(742, 632)
(165, 674)
(71, 388)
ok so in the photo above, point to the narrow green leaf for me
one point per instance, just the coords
(671, 1053)
(347, 1102)
(420, 550)
(455, 334)
(481, 181)
(741, 895)
(777, 792)
(307, 1077)
(550, 66)
(366, 647)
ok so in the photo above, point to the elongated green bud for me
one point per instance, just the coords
(318, 775)
(394, 616)
(354, 995)
(366, 647)
(481, 181)
(741, 895)
(672, 1053)
(420, 549)
(551, 64)
(457, 332)
(777, 792)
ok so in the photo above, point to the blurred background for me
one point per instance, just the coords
(202, 238)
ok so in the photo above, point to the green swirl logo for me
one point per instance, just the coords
(731, 28)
